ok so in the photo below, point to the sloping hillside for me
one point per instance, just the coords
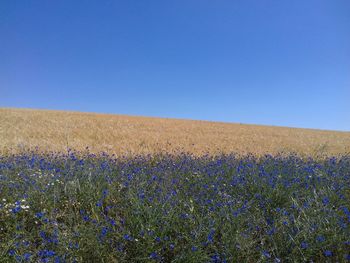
(119, 134)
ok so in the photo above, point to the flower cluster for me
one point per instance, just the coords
(81, 207)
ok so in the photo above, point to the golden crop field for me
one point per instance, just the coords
(127, 135)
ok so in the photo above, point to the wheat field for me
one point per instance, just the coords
(128, 135)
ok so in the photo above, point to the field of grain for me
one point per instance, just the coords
(128, 135)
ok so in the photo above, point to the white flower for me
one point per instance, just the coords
(25, 207)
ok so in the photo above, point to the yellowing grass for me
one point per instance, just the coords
(59, 130)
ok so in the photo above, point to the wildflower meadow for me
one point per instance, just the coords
(82, 207)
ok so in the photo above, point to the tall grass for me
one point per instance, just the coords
(97, 208)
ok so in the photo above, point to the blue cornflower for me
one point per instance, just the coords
(215, 258)
(266, 254)
(347, 257)
(39, 215)
(320, 238)
(12, 252)
(271, 231)
(153, 255)
(42, 234)
(112, 222)
(211, 236)
(345, 210)
(304, 245)
(142, 195)
(16, 209)
(26, 256)
(104, 231)
(58, 260)
(172, 246)
(328, 253)
(99, 203)
(158, 239)
(105, 192)
(270, 221)
(46, 253)
(194, 248)
(127, 237)
(325, 200)
(26, 243)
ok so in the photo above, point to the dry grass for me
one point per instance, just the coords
(57, 130)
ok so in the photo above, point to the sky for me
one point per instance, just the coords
(284, 63)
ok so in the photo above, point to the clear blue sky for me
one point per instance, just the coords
(266, 62)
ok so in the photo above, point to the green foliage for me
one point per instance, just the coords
(66, 208)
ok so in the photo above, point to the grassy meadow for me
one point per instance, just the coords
(162, 190)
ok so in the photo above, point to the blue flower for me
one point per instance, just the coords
(153, 255)
(39, 215)
(16, 209)
(266, 254)
(270, 221)
(325, 200)
(304, 245)
(105, 192)
(58, 260)
(211, 236)
(46, 253)
(271, 231)
(127, 237)
(42, 234)
(12, 252)
(104, 231)
(194, 248)
(215, 258)
(320, 238)
(328, 253)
